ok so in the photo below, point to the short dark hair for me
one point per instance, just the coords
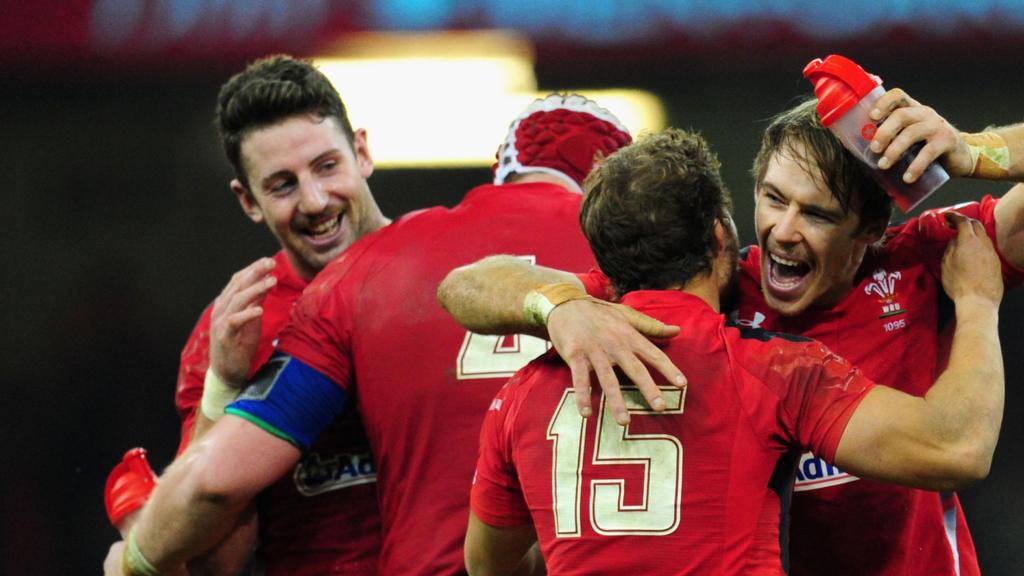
(268, 91)
(650, 211)
(849, 180)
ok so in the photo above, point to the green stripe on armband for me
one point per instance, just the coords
(266, 426)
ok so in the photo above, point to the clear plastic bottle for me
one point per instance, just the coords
(846, 95)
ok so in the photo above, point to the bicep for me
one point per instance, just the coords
(1009, 217)
(891, 437)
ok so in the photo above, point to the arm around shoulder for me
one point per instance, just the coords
(487, 296)
(946, 439)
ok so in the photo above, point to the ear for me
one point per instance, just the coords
(873, 233)
(247, 201)
(720, 242)
(362, 153)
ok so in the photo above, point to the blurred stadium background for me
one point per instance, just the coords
(120, 226)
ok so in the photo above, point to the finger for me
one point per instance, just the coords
(929, 153)
(249, 275)
(635, 370)
(899, 132)
(654, 357)
(891, 100)
(610, 386)
(580, 370)
(250, 295)
(650, 327)
(238, 320)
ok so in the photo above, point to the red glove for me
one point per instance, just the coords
(128, 485)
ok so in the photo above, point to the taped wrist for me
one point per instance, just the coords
(990, 156)
(540, 301)
(133, 562)
(216, 396)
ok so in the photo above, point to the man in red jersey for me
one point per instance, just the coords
(302, 170)
(369, 330)
(826, 267)
(701, 487)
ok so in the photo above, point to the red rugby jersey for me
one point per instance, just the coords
(896, 326)
(697, 489)
(322, 518)
(371, 323)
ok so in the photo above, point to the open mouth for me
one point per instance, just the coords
(786, 276)
(325, 232)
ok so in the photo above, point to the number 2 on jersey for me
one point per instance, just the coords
(661, 456)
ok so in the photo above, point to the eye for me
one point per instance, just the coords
(282, 186)
(819, 217)
(327, 166)
(773, 198)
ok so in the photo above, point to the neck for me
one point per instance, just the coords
(705, 288)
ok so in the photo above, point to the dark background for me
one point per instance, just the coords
(119, 228)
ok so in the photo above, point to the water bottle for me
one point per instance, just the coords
(846, 95)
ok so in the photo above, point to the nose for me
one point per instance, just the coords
(787, 230)
(312, 197)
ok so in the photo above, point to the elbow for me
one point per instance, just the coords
(963, 468)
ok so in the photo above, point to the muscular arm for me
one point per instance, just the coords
(1009, 215)
(204, 493)
(487, 297)
(946, 439)
(494, 551)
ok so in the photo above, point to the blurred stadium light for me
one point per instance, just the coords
(453, 91)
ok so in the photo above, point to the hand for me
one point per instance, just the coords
(593, 335)
(908, 122)
(235, 322)
(970, 266)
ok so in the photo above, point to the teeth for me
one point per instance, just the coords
(783, 261)
(324, 227)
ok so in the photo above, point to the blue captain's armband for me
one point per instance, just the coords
(290, 400)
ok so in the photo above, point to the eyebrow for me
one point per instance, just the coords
(815, 209)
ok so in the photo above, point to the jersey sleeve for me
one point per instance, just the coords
(934, 233)
(597, 285)
(195, 359)
(496, 497)
(817, 392)
(319, 332)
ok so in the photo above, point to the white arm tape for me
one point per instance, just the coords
(216, 396)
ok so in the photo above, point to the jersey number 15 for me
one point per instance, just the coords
(661, 456)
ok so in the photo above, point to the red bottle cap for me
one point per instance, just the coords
(129, 485)
(839, 83)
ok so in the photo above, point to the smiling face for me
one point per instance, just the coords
(308, 183)
(810, 249)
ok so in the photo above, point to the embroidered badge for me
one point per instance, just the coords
(884, 287)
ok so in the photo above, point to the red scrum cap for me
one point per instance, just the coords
(560, 134)
(129, 485)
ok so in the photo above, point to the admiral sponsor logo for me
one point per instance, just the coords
(813, 473)
(315, 475)
(884, 286)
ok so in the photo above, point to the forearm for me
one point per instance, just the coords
(967, 399)
(487, 296)
(183, 519)
(201, 497)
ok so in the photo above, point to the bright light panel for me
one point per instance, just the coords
(452, 108)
